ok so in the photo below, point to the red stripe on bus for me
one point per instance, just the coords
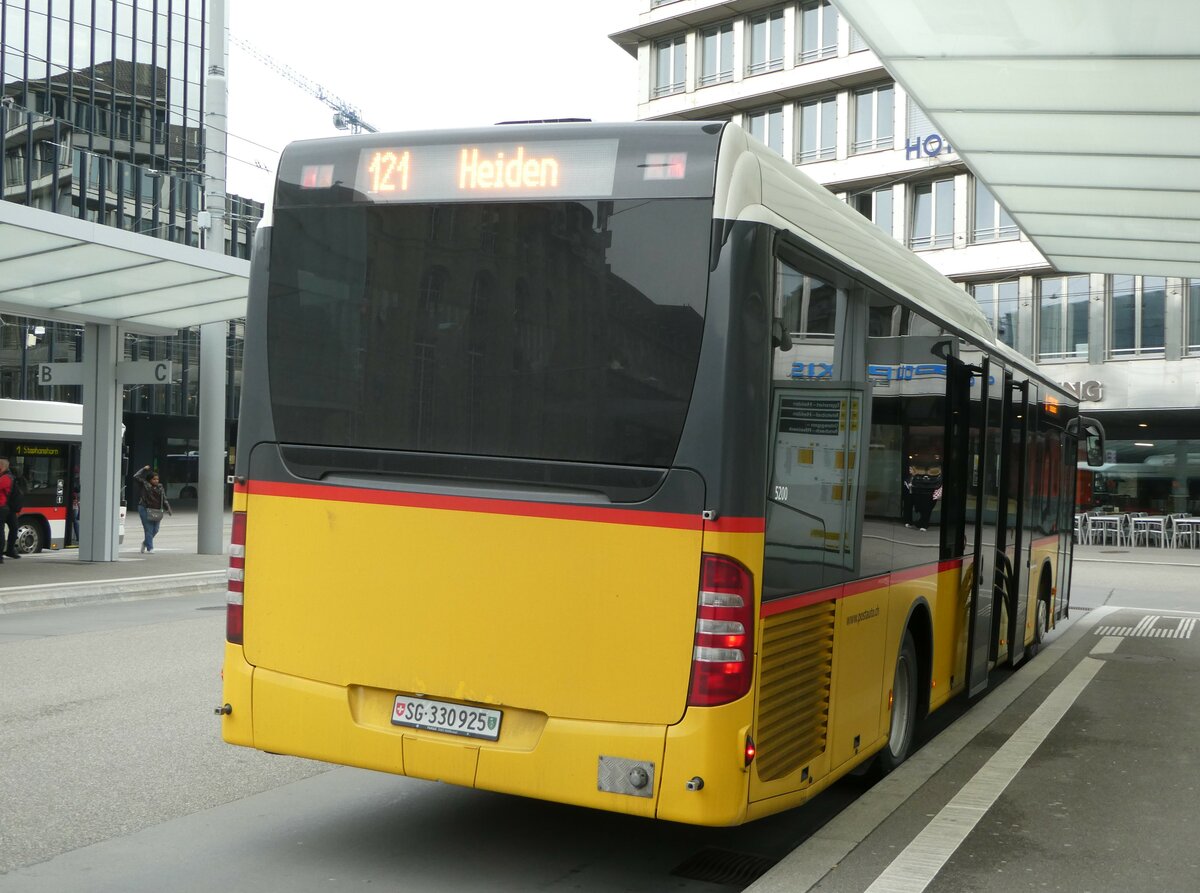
(736, 525)
(856, 587)
(631, 517)
(49, 512)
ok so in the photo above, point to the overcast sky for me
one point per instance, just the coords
(415, 65)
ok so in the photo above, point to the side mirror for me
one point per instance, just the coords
(1091, 433)
(781, 339)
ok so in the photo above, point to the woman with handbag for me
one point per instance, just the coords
(152, 503)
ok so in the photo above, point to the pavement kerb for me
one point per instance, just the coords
(48, 595)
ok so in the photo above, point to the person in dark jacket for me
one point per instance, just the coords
(6, 485)
(152, 504)
(925, 483)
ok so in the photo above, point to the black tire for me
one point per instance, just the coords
(904, 708)
(1041, 626)
(187, 493)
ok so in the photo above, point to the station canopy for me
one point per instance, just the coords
(1081, 117)
(62, 268)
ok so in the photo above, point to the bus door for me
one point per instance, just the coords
(977, 538)
(1016, 442)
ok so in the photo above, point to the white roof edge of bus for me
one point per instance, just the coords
(40, 419)
(849, 237)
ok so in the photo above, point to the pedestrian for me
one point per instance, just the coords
(926, 481)
(6, 485)
(152, 503)
(16, 504)
(75, 517)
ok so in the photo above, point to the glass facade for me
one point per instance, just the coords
(102, 111)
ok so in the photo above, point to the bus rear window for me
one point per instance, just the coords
(565, 331)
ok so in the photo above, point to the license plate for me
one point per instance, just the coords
(440, 716)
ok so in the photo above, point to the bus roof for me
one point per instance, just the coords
(775, 192)
(40, 419)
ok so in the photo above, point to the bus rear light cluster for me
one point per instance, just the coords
(723, 655)
(235, 593)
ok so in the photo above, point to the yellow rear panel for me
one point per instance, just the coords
(560, 617)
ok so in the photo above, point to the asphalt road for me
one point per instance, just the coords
(114, 778)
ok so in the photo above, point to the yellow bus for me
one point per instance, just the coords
(622, 466)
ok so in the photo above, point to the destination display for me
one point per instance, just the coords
(563, 169)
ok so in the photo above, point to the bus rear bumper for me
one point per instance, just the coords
(536, 756)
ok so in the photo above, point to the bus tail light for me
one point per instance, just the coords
(235, 593)
(723, 656)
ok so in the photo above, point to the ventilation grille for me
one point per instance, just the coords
(793, 717)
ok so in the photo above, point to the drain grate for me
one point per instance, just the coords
(724, 867)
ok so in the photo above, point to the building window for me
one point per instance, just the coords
(766, 43)
(992, 223)
(818, 131)
(716, 55)
(1063, 317)
(874, 117)
(1193, 316)
(767, 126)
(999, 303)
(876, 206)
(932, 224)
(818, 32)
(670, 66)
(857, 43)
(1137, 315)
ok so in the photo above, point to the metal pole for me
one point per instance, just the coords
(211, 483)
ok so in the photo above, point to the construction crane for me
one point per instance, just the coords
(345, 116)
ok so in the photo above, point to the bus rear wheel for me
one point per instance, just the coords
(1041, 625)
(904, 708)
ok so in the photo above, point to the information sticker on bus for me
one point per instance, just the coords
(440, 716)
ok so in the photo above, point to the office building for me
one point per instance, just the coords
(799, 78)
(102, 114)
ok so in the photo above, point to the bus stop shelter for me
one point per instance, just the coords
(111, 282)
(1081, 118)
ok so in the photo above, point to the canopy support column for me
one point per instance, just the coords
(100, 460)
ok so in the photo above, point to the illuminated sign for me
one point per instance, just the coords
(561, 168)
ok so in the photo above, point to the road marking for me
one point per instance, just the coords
(914, 869)
(1147, 628)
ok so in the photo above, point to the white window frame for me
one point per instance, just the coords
(772, 31)
(823, 152)
(676, 47)
(825, 12)
(723, 34)
(1139, 290)
(1191, 306)
(1062, 308)
(1002, 229)
(993, 302)
(764, 124)
(937, 237)
(876, 140)
(886, 221)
